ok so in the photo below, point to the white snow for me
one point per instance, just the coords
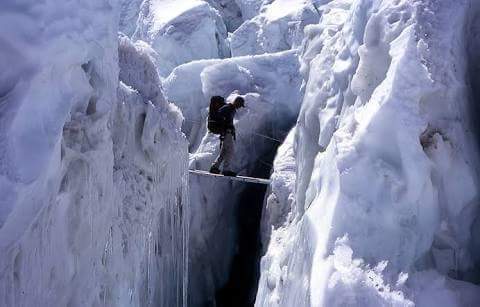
(181, 31)
(374, 194)
(92, 203)
(278, 26)
(386, 164)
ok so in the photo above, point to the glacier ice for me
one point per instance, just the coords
(93, 210)
(180, 32)
(386, 165)
(129, 12)
(230, 11)
(374, 194)
(278, 26)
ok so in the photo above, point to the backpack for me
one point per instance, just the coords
(216, 123)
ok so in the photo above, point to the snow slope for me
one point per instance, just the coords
(386, 165)
(180, 32)
(92, 207)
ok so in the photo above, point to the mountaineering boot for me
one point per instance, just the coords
(229, 174)
(214, 170)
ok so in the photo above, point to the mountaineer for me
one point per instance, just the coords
(220, 121)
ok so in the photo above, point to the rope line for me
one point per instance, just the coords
(245, 132)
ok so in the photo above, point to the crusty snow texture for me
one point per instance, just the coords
(384, 160)
(91, 203)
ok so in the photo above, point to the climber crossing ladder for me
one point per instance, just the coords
(236, 178)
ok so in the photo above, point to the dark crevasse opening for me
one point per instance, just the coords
(241, 288)
(473, 64)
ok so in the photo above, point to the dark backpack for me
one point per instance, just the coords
(216, 122)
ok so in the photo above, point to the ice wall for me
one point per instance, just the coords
(473, 41)
(386, 163)
(129, 12)
(92, 204)
(230, 12)
(272, 26)
(180, 32)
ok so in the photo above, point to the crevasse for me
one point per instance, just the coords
(374, 194)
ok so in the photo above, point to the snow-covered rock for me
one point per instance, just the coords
(386, 162)
(181, 31)
(275, 26)
(92, 204)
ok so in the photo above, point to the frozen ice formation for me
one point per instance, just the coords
(278, 26)
(92, 210)
(386, 163)
(181, 31)
(230, 11)
(374, 194)
(129, 11)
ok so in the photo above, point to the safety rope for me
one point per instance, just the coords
(244, 132)
(265, 136)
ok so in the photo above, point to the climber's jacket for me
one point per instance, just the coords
(227, 112)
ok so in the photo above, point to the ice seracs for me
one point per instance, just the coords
(278, 26)
(385, 105)
(129, 12)
(93, 210)
(230, 11)
(181, 31)
(374, 194)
